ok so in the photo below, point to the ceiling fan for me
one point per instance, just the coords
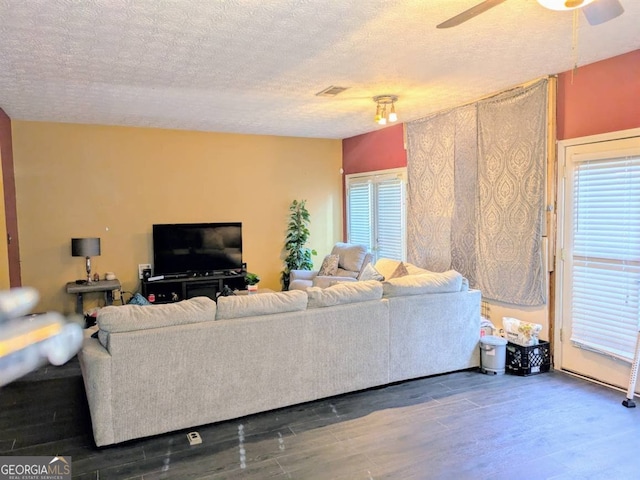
(596, 11)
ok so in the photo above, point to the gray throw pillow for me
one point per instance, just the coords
(329, 266)
(370, 273)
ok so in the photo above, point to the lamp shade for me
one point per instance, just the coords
(85, 247)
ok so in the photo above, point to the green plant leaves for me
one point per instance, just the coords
(298, 255)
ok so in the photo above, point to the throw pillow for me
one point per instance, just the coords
(370, 273)
(138, 299)
(329, 266)
(400, 271)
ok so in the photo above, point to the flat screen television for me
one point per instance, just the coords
(196, 248)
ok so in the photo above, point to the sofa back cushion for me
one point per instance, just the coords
(352, 257)
(128, 318)
(341, 293)
(238, 306)
(432, 282)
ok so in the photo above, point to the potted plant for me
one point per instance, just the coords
(298, 256)
(251, 279)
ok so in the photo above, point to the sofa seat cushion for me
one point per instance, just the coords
(341, 272)
(432, 282)
(128, 318)
(239, 306)
(342, 293)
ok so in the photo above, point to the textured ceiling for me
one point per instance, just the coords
(251, 66)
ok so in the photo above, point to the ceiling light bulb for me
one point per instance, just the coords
(378, 116)
(392, 114)
(383, 117)
(564, 4)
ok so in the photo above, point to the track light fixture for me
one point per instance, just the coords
(382, 113)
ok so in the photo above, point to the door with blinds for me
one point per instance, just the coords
(600, 259)
(376, 212)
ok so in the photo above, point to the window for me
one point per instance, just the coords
(376, 212)
(606, 254)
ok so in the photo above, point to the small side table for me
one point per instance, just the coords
(106, 286)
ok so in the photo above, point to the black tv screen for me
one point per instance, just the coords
(185, 248)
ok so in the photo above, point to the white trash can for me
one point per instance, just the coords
(493, 354)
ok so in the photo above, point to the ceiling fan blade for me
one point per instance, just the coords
(602, 11)
(469, 14)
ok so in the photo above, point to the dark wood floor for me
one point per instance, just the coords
(456, 426)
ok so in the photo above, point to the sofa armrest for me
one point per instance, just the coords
(302, 275)
(95, 363)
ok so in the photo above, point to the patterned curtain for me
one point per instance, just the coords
(511, 162)
(476, 193)
(430, 191)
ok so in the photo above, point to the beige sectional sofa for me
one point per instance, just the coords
(155, 369)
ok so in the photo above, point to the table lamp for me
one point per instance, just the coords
(85, 247)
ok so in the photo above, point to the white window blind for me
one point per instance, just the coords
(359, 213)
(390, 224)
(606, 255)
(376, 211)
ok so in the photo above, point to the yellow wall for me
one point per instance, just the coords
(115, 182)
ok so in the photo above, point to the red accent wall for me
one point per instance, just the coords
(604, 97)
(377, 150)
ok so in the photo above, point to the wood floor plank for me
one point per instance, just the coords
(460, 425)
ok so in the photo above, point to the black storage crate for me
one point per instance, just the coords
(530, 360)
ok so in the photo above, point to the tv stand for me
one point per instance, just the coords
(174, 289)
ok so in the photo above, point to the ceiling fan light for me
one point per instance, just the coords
(564, 4)
(392, 113)
(377, 116)
(383, 117)
(602, 11)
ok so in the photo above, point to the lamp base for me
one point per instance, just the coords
(88, 270)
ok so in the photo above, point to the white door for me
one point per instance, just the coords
(599, 259)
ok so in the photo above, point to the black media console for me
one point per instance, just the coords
(170, 290)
